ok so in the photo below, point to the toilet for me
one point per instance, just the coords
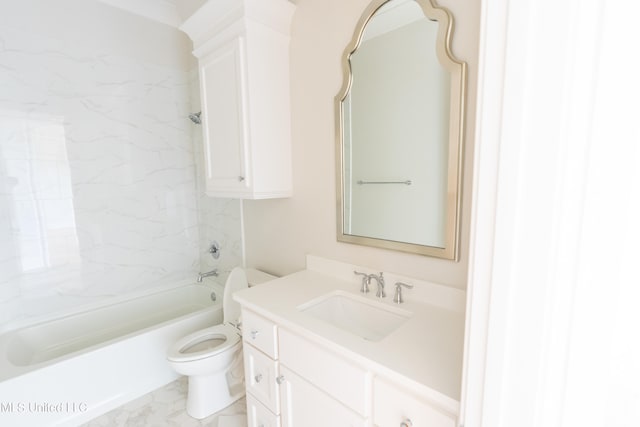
(212, 357)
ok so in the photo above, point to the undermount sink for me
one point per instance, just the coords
(360, 316)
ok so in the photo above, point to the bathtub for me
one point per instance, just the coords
(69, 370)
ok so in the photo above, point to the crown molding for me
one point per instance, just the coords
(217, 20)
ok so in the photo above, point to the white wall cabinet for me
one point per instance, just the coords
(223, 119)
(293, 381)
(243, 61)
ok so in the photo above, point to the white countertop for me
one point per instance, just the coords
(424, 353)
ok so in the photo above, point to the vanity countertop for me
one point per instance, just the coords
(424, 353)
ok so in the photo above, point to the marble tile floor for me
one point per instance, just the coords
(163, 407)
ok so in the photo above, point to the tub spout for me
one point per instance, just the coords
(213, 273)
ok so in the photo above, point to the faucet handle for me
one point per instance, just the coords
(365, 281)
(380, 279)
(398, 295)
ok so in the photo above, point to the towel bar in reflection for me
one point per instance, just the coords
(361, 182)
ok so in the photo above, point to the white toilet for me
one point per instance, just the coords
(212, 357)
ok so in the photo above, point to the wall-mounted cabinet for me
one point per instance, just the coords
(243, 60)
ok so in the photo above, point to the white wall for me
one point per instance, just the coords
(552, 317)
(280, 232)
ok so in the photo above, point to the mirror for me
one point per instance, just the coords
(399, 130)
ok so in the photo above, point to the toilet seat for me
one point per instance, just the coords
(179, 352)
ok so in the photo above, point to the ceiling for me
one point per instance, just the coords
(170, 12)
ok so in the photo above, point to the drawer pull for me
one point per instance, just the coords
(258, 378)
(280, 379)
(254, 334)
(406, 423)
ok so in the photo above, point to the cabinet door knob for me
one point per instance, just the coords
(406, 423)
(258, 378)
(241, 178)
(280, 379)
(254, 334)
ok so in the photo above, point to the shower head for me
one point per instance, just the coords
(195, 117)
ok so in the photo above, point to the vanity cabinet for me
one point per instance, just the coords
(243, 62)
(294, 381)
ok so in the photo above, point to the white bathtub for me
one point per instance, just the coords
(69, 370)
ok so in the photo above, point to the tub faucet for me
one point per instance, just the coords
(201, 276)
(380, 280)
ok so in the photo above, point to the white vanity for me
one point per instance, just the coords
(319, 352)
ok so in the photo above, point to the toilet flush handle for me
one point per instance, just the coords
(254, 334)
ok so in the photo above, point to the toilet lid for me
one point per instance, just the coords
(203, 343)
(237, 280)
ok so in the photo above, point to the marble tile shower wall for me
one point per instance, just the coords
(98, 188)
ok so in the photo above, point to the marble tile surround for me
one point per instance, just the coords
(100, 193)
(219, 220)
(163, 407)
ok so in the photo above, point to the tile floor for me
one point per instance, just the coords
(163, 407)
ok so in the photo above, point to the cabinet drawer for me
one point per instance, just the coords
(260, 378)
(260, 333)
(258, 415)
(344, 381)
(392, 405)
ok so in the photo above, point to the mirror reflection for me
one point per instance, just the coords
(398, 182)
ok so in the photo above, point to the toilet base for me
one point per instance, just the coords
(208, 394)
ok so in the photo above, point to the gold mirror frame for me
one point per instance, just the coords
(457, 70)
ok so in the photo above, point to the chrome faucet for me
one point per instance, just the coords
(380, 280)
(201, 276)
(365, 281)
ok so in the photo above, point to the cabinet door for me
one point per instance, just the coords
(224, 113)
(305, 405)
(393, 405)
(341, 379)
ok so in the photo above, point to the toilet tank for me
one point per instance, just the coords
(256, 277)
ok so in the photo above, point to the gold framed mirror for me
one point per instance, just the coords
(399, 131)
